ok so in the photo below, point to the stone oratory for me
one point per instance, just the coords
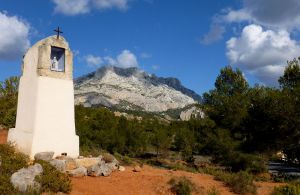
(45, 113)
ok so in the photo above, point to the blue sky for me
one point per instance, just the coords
(187, 39)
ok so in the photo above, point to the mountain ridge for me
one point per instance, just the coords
(133, 89)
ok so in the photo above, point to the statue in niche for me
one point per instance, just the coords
(54, 65)
(57, 59)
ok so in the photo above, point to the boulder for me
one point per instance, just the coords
(121, 168)
(114, 165)
(87, 162)
(71, 164)
(46, 156)
(60, 165)
(23, 179)
(137, 168)
(78, 172)
(100, 169)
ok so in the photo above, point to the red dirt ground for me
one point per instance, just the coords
(150, 181)
(3, 136)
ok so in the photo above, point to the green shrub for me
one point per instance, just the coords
(290, 189)
(239, 161)
(283, 177)
(213, 191)
(52, 180)
(252, 163)
(93, 151)
(181, 186)
(125, 160)
(240, 183)
(5, 186)
(11, 162)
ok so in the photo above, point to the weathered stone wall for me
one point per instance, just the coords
(44, 61)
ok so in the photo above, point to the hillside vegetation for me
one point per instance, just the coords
(243, 126)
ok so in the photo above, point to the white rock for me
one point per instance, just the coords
(79, 172)
(59, 164)
(121, 168)
(113, 165)
(87, 162)
(23, 179)
(191, 112)
(46, 156)
(101, 169)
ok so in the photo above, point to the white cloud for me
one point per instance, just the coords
(110, 61)
(93, 60)
(268, 13)
(237, 15)
(269, 74)
(13, 37)
(271, 14)
(264, 44)
(262, 53)
(215, 33)
(275, 13)
(127, 59)
(109, 4)
(71, 7)
(76, 7)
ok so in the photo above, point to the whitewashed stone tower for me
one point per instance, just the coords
(45, 113)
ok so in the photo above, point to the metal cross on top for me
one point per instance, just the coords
(58, 32)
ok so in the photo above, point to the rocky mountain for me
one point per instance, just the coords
(132, 89)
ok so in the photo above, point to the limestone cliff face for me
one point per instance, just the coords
(192, 112)
(132, 89)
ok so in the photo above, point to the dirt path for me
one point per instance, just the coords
(150, 181)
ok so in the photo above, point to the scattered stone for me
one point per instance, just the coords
(60, 165)
(137, 168)
(79, 172)
(23, 179)
(87, 166)
(71, 164)
(46, 156)
(87, 162)
(100, 169)
(114, 165)
(121, 168)
(94, 171)
(90, 156)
